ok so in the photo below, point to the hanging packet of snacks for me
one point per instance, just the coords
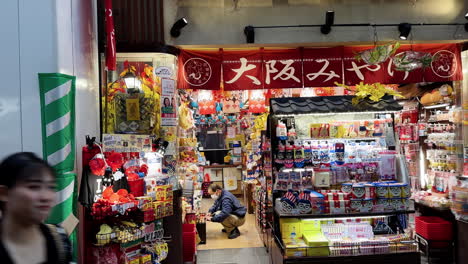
(295, 181)
(339, 174)
(307, 177)
(282, 181)
(387, 165)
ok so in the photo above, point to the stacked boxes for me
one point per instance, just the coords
(163, 206)
(336, 202)
(290, 227)
(295, 248)
(378, 196)
(317, 243)
(316, 237)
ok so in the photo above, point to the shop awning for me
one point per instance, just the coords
(330, 104)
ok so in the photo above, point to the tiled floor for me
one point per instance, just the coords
(215, 239)
(256, 255)
(246, 249)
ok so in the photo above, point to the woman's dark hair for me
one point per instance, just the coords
(168, 102)
(214, 187)
(21, 166)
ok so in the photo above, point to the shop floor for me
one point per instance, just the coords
(215, 239)
(257, 255)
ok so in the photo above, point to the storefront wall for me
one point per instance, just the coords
(220, 22)
(40, 37)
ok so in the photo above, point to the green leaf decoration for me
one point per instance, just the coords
(373, 92)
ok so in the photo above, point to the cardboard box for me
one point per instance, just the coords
(317, 243)
(289, 225)
(296, 248)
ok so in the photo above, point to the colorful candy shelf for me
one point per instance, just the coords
(346, 215)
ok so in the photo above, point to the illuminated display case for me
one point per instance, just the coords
(339, 192)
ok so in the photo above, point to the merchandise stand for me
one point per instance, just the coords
(287, 109)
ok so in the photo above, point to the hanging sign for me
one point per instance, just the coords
(319, 67)
(242, 70)
(199, 70)
(283, 69)
(126, 143)
(322, 66)
(436, 63)
(168, 103)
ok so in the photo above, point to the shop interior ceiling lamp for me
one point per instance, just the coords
(329, 21)
(249, 33)
(405, 29)
(131, 81)
(466, 24)
(162, 149)
(177, 27)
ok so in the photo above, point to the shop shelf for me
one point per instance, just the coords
(343, 215)
(348, 249)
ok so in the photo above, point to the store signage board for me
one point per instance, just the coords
(311, 67)
(168, 86)
(168, 103)
(163, 72)
(126, 143)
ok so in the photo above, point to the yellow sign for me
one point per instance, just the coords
(133, 109)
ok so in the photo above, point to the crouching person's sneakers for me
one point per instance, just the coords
(234, 233)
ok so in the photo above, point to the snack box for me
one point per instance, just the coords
(145, 202)
(296, 248)
(159, 209)
(310, 225)
(317, 243)
(168, 208)
(161, 193)
(134, 260)
(146, 259)
(290, 225)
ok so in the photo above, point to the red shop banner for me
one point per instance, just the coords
(199, 70)
(319, 67)
(283, 68)
(408, 64)
(242, 70)
(323, 66)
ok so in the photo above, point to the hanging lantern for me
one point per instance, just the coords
(132, 82)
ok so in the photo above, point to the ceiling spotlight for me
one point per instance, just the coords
(178, 25)
(162, 149)
(329, 21)
(249, 33)
(466, 15)
(405, 29)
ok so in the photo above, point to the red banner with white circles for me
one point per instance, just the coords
(199, 70)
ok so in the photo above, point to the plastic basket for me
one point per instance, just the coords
(433, 228)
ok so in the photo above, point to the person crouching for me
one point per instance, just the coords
(226, 210)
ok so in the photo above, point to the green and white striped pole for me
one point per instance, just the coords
(57, 95)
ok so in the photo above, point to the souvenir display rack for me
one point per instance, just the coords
(299, 201)
(264, 191)
(125, 217)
